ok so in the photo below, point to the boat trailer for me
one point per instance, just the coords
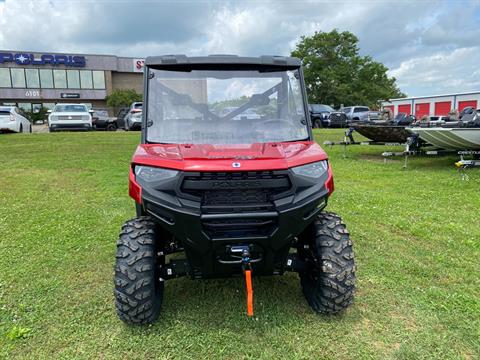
(349, 140)
(415, 147)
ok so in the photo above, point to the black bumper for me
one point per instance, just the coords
(265, 214)
(84, 127)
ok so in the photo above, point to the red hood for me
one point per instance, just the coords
(269, 156)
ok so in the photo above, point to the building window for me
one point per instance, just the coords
(73, 79)
(18, 78)
(25, 106)
(46, 78)
(32, 78)
(5, 80)
(49, 106)
(98, 79)
(86, 79)
(60, 79)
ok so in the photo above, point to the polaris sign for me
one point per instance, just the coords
(44, 59)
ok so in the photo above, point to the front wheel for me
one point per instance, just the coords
(328, 281)
(318, 124)
(138, 288)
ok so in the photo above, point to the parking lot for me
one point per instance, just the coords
(63, 198)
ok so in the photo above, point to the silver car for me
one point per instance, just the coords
(356, 113)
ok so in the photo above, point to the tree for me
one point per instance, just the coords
(336, 74)
(122, 98)
(41, 114)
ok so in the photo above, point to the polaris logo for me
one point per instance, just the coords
(236, 184)
(44, 59)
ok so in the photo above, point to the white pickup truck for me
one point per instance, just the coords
(70, 117)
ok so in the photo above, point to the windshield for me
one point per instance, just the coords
(225, 107)
(103, 113)
(346, 110)
(321, 108)
(70, 108)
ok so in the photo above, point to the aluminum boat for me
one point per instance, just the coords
(450, 138)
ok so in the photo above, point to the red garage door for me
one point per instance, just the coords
(442, 108)
(407, 109)
(422, 109)
(463, 104)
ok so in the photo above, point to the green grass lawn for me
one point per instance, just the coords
(63, 198)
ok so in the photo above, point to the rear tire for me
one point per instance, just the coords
(328, 282)
(138, 289)
(111, 127)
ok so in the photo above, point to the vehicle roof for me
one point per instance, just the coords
(70, 104)
(6, 108)
(214, 61)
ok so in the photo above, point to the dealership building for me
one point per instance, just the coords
(30, 80)
(434, 105)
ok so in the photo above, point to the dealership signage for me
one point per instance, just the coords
(70, 95)
(44, 59)
(138, 65)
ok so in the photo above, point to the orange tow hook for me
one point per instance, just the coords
(248, 282)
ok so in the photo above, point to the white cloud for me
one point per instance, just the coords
(414, 39)
(441, 72)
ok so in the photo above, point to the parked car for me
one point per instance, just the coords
(13, 119)
(320, 115)
(355, 113)
(133, 120)
(70, 117)
(134, 107)
(350, 114)
(374, 116)
(101, 121)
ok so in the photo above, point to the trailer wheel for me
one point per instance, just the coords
(328, 282)
(138, 289)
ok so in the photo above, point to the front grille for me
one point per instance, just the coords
(234, 193)
(71, 117)
(338, 118)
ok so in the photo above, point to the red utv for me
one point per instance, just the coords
(237, 195)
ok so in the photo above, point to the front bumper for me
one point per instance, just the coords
(70, 125)
(209, 222)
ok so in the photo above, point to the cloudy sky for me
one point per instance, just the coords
(431, 47)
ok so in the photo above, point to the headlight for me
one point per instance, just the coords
(150, 174)
(313, 170)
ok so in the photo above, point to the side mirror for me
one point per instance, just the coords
(91, 111)
(49, 111)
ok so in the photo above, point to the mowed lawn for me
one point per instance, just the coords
(63, 198)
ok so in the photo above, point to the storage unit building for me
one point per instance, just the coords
(435, 105)
(31, 80)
